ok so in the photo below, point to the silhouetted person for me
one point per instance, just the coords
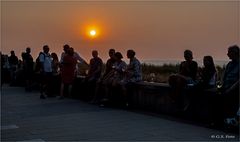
(5, 69)
(13, 62)
(80, 60)
(28, 68)
(94, 73)
(187, 71)
(75, 55)
(230, 84)
(55, 64)
(2, 62)
(205, 83)
(108, 73)
(133, 74)
(68, 73)
(188, 68)
(46, 71)
(95, 69)
(110, 62)
(185, 78)
(115, 77)
(56, 79)
(225, 103)
(1, 59)
(119, 68)
(208, 74)
(134, 69)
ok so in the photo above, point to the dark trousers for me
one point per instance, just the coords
(46, 83)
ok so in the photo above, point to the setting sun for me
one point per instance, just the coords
(92, 32)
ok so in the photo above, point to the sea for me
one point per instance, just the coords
(159, 62)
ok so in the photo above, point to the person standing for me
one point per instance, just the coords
(75, 55)
(46, 71)
(68, 72)
(13, 62)
(79, 59)
(55, 64)
(5, 69)
(56, 79)
(28, 68)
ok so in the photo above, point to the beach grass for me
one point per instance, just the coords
(154, 73)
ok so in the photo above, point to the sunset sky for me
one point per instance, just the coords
(155, 30)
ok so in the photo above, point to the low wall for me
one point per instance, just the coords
(154, 97)
(148, 96)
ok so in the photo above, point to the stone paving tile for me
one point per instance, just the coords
(73, 120)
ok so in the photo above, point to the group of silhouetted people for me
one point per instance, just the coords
(224, 104)
(117, 76)
(47, 70)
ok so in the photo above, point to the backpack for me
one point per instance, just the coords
(38, 63)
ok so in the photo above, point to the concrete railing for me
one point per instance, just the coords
(154, 97)
(149, 96)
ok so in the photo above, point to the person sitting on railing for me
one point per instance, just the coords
(119, 68)
(113, 78)
(103, 81)
(110, 62)
(230, 84)
(206, 83)
(133, 74)
(224, 104)
(95, 69)
(207, 74)
(185, 78)
(134, 69)
(94, 72)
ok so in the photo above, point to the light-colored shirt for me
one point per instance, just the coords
(119, 68)
(134, 70)
(46, 59)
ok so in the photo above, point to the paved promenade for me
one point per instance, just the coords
(25, 117)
